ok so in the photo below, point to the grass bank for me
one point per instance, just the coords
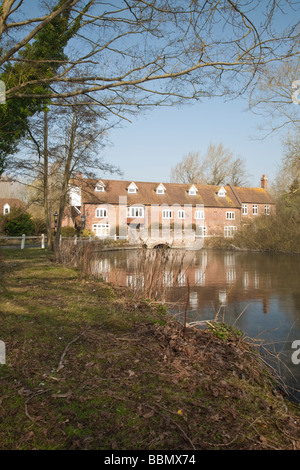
(88, 367)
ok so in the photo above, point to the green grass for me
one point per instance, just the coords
(130, 378)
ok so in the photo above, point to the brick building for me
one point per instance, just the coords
(112, 206)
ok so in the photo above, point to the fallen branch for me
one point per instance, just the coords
(60, 365)
(39, 392)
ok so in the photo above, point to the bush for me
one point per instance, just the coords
(39, 226)
(280, 232)
(86, 233)
(68, 231)
(18, 223)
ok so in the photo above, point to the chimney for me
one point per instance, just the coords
(264, 182)
(79, 175)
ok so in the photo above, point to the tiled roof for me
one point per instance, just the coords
(254, 195)
(13, 202)
(176, 193)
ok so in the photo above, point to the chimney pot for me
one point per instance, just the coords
(264, 182)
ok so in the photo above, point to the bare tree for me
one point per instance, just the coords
(151, 51)
(239, 174)
(288, 176)
(62, 141)
(277, 97)
(217, 164)
(216, 167)
(188, 170)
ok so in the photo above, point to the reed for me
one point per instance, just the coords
(156, 271)
(78, 255)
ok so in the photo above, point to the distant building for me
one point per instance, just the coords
(112, 207)
(8, 204)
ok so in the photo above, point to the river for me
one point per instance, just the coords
(258, 293)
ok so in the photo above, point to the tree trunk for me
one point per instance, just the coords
(66, 179)
(47, 205)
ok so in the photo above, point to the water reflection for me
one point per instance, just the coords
(265, 287)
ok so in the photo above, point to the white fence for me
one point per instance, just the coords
(42, 238)
(90, 238)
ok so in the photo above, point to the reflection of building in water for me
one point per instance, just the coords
(101, 265)
(229, 259)
(230, 275)
(193, 300)
(135, 281)
(266, 304)
(199, 277)
(219, 278)
(245, 280)
(168, 279)
(222, 297)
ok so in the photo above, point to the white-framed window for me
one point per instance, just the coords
(199, 215)
(192, 191)
(167, 214)
(101, 212)
(6, 209)
(255, 209)
(180, 214)
(101, 230)
(100, 187)
(132, 188)
(267, 209)
(222, 192)
(160, 189)
(136, 212)
(230, 215)
(229, 230)
(244, 209)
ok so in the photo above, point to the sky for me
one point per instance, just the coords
(147, 148)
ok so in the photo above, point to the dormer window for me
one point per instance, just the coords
(6, 209)
(222, 192)
(160, 189)
(100, 187)
(132, 188)
(193, 191)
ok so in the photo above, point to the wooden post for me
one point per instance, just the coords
(43, 241)
(2, 353)
(23, 241)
